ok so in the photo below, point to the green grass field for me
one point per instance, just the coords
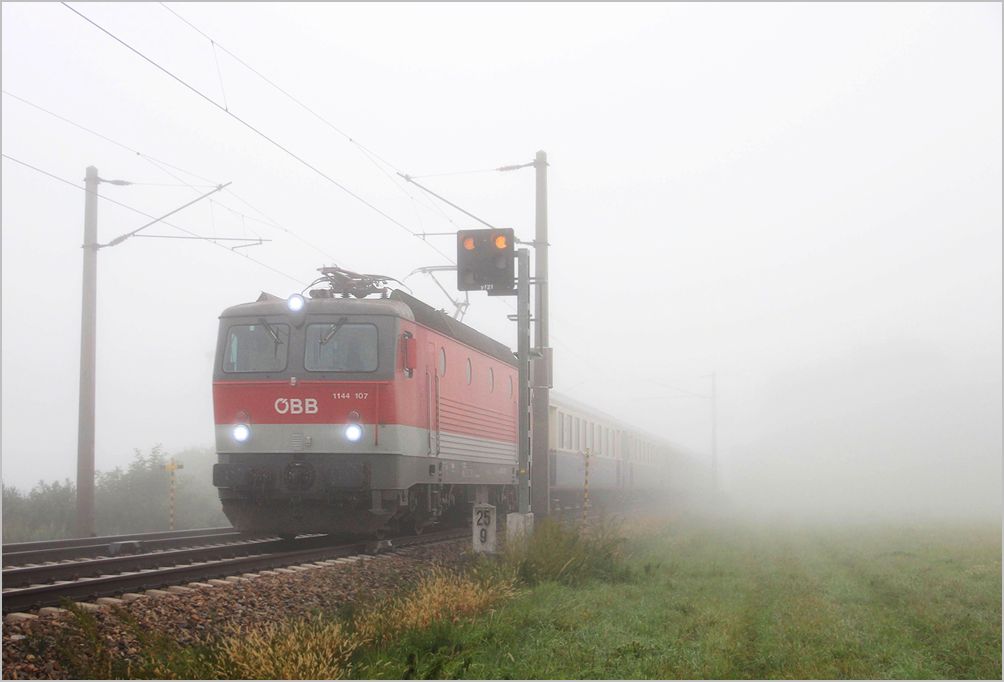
(742, 601)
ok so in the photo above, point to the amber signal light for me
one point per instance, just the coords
(501, 242)
(469, 243)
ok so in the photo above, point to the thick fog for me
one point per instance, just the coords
(803, 199)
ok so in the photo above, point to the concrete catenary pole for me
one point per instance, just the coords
(88, 326)
(523, 353)
(88, 341)
(540, 469)
(714, 431)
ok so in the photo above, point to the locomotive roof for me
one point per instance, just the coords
(428, 316)
(399, 304)
(270, 304)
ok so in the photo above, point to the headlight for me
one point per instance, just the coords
(296, 303)
(353, 432)
(242, 433)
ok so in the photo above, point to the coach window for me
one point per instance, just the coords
(256, 348)
(470, 372)
(491, 379)
(442, 362)
(577, 435)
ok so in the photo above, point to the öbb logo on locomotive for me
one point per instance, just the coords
(296, 405)
(421, 423)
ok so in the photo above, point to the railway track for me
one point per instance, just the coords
(50, 585)
(26, 553)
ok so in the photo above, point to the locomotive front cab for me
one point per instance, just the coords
(305, 397)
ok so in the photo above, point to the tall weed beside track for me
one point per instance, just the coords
(306, 649)
(439, 597)
(320, 648)
(568, 554)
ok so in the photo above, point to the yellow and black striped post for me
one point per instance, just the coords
(171, 467)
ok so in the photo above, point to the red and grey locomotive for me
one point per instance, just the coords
(341, 413)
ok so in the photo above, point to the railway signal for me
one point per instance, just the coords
(486, 261)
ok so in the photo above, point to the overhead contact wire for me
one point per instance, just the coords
(370, 155)
(252, 128)
(148, 215)
(163, 166)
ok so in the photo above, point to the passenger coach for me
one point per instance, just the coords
(614, 460)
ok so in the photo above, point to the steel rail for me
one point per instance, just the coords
(107, 539)
(22, 598)
(121, 547)
(23, 576)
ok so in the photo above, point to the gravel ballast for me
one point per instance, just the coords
(32, 647)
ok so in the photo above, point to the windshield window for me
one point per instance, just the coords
(261, 347)
(341, 347)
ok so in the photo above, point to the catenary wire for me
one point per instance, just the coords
(167, 168)
(257, 131)
(466, 172)
(377, 160)
(285, 92)
(148, 215)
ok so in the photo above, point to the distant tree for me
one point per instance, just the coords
(133, 499)
(137, 499)
(47, 511)
(198, 502)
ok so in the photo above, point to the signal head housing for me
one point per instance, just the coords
(486, 260)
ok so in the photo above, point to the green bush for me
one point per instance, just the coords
(568, 553)
(133, 499)
(46, 511)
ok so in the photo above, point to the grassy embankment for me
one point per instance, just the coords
(742, 602)
(674, 600)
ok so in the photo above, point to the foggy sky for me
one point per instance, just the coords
(803, 198)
